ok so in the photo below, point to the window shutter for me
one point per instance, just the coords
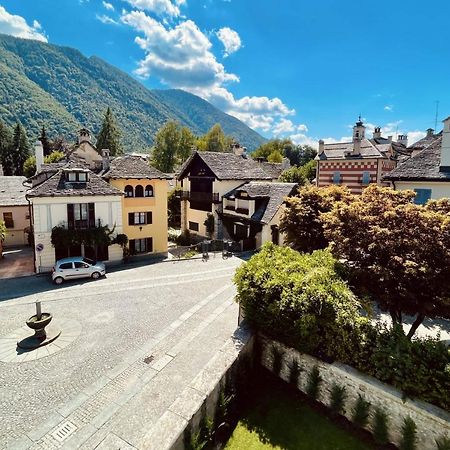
(70, 217)
(131, 219)
(366, 178)
(132, 246)
(149, 244)
(91, 214)
(337, 177)
(149, 217)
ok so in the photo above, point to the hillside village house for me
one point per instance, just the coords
(14, 210)
(144, 204)
(207, 176)
(358, 163)
(427, 171)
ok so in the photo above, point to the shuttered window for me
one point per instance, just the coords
(422, 196)
(140, 218)
(337, 177)
(366, 178)
(144, 245)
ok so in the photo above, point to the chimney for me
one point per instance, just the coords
(390, 138)
(402, 139)
(238, 150)
(39, 152)
(321, 146)
(105, 160)
(430, 132)
(285, 164)
(377, 133)
(84, 135)
(445, 146)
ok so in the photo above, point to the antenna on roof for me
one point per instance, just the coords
(436, 116)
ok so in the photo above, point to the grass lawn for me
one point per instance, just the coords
(280, 420)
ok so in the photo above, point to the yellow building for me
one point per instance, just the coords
(144, 205)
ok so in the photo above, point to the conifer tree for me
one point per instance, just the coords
(110, 134)
(45, 142)
(5, 148)
(19, 150)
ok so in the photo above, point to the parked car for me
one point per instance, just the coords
(77, 267)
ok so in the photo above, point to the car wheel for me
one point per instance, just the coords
(58, 280)
(95, 276)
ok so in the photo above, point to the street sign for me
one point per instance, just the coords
(39, 247)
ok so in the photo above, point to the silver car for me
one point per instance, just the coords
(77, 267)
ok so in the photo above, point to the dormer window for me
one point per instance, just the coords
(75, 176)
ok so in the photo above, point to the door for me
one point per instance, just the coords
(81, 269)
(67, 270)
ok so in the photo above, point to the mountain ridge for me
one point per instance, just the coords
(42, 84)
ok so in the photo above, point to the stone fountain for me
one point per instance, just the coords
(41, 336)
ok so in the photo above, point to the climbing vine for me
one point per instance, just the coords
(63, 237)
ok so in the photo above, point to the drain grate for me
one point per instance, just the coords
(149, 359)
(64, 431)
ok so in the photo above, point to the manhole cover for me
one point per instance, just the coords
(64, 431)
(149, 359)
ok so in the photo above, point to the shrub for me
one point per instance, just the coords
(361, 412)
(277, 360)
(443, 443)
(409, 434)
(337, 398)
(294, 372)
(380, 426)
(314, 381)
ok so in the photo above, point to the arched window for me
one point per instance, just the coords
(148, 191)
(138, 191)
(129, 191)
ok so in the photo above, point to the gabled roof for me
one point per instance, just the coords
(424, 142)
(12, 191)
(424, 166)
(228, 166)
(273, 194)
(370, 148)
(131, 166)
(58, 186)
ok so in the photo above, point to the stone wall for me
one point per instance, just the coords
(432, 422)
(200, 398)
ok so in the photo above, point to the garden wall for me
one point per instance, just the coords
(432, 422)
(200, 398)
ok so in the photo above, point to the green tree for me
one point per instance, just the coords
(306, 154)
(293, 175)
(215, 139)
(301, 220)
(29, 166)
(110, 135)
(186, 145)
(264, 150)
(2, 236)
(46, 144)
(167, 142)
(19, 150)
(275, 157)
(308, 170)
(398, 253)
(174, 208)
(5, 149)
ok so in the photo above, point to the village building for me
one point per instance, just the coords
(427, 171)
(362, 161)
(207, 176)
(144, 204)
(251, 213)
(14, 210)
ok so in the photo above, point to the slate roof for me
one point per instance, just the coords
(228, 166)
(424, 142)
(424, 166)
(370, 148)
(131, 166)
(58, 186)
(274, 194)
(273, 169)
(12, 191)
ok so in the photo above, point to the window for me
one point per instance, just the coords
(337, 177)
(82, 176)
(77, 176)
(366, 178)
(81, 265)
(72, 176)
(422, 196)
(140, 218)
(129, 191)
(66, 266)
(138, 191)
(193, 226)
(144, 245)
(148, 191)
(8, 219)
(81, 215)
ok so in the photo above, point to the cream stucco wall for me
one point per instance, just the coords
(438, 190)
(157, 205)
(49, 212)
(16, 236)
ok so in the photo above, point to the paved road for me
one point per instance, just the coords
(145, 334)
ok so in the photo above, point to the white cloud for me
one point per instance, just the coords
(106, 19)
(284, 126)
(230, 40)
(159, 7)
(388, 108)
(108, 6)
(414, 136)
(17, 26)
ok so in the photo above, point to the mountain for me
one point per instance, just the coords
(60, 88)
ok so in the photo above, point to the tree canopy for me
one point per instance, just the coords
(18, 152)
(110, 135)
(298, 155)
(29, 166)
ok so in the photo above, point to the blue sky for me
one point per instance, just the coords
(287, 68)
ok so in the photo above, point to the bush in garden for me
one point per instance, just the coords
(294, 372)
(409, 434)
(380, 426)
(337, 398)
(361, 412)
(277, 360)
(314, 381)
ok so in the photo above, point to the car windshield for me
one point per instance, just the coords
(89, 261)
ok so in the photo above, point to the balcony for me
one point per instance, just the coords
(200, 197)
(82, 224)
